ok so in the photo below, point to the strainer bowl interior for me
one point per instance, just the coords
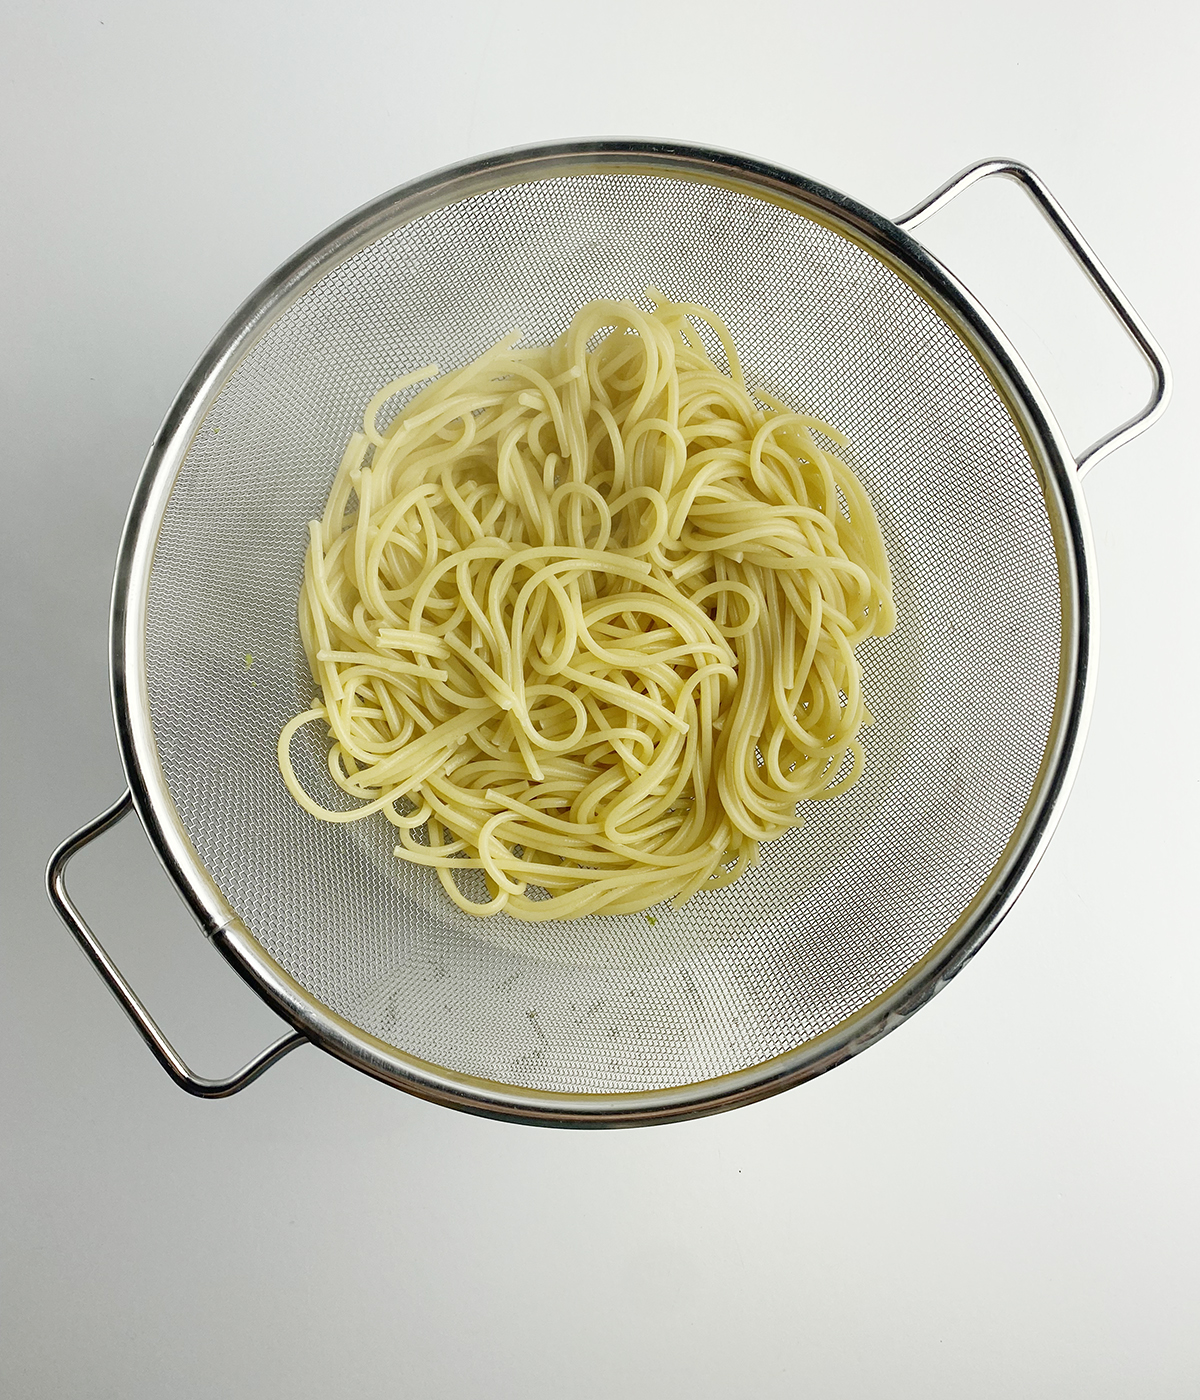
(974, 696)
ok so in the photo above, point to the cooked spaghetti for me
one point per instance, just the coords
(583, 617)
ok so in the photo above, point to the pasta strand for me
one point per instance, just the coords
(583, 617)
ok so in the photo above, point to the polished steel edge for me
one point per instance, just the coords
(910, 260)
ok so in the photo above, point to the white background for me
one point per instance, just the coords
(999, 1199)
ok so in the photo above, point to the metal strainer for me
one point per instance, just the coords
(981, 695)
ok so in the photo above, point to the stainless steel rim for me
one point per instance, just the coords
(887, 241)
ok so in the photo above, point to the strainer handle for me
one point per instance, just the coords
(161, 1047)
(1099, 275)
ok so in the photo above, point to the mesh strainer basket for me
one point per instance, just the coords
(851, 922)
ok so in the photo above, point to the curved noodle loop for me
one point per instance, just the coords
(583, 617)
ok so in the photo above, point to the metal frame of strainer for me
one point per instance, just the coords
(311, 1020)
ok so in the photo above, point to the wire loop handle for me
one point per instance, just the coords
(162, 1049)
(1098, 274)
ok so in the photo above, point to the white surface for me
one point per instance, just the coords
(997, 1200)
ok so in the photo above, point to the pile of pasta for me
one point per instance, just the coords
(583, 617)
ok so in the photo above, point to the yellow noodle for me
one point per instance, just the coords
(584, 620)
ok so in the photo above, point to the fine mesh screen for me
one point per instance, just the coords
(963, 691)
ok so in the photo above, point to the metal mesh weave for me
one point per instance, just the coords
(963, 692)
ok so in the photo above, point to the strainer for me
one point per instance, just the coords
(851, 922)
